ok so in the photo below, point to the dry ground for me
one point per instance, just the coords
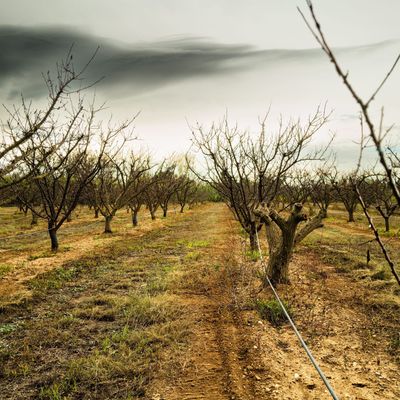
(168, 312)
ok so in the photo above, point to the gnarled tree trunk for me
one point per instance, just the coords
(282, 237)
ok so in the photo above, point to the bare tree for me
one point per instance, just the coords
(344, 188)
(246, 171)
(186, 191)
(161, 188)
(385, 202)
(26, 192)
(136, 202)
(167, 185)
(115, 184)
(322, 190)
(68, 167)
(26, 122)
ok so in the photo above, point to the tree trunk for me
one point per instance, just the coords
(253, 241)
(107, 227)
(53, 236)
(152, 213)
(182, 207)
(350, 211)
(165, 210)
(96, 212)
(34, 219)
(278, 263)
(387, 226)
(134, 218)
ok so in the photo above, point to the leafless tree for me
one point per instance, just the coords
(166, 185)
(344, 188)
(322, 190)
(116, 184)
(283, 234)
(248, 172)
(186, 191)
(385, 202)
(68, 166)
(26, 122)
(27, 193)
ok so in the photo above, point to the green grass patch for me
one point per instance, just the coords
(253, 255)
(381, 275)
(193, 244)
(5, 329)
(193, 256)
(54, 279)
(272, 311)
(5, 269)
(130, 354)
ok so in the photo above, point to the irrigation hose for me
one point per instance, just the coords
(296, 331)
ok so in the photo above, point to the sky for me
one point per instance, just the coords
(179, 62)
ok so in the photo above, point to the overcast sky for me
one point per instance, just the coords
(195, 60)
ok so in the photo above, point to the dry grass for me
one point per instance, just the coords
(96, 326)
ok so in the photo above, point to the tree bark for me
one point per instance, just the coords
(134, 218)
(107, 227)
(350, 211)
(53, 237)
(387, 226)
(182, 207)
(253, 241)
(34, 220)
(96, 212)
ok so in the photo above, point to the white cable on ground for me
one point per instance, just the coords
(302, 342)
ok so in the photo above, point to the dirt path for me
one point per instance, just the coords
(214, 363)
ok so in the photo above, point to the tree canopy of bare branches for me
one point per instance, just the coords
(248, 171)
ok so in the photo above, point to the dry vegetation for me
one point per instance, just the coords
(174, 309)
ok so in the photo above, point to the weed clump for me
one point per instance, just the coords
(381, 275)
(253, 255)
(272, 311)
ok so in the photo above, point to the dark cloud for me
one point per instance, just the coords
(27, 52)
